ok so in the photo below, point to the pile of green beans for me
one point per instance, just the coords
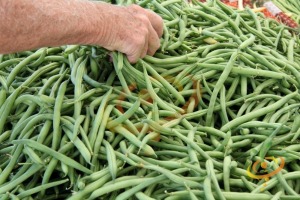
(220, 95)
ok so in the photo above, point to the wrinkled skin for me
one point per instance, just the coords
(31, 24)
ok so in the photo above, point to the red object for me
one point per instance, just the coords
(247, 3)
(287, 20)
(281, 17)
(233, 4)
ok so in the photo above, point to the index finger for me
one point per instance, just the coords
(156, 22)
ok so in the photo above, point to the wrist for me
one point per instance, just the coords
(106, 30)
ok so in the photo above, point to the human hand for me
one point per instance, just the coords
(131, 30)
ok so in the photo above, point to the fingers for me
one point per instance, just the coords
(149, 45)
(145, 49)
(153, 41)
(156, 22)
(137, 34)
(155, 19)
(150, 32)
(139, 51)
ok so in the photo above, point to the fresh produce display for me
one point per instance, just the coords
(270, 9)
(213, 115)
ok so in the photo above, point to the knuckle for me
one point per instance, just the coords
(133, 57)
(155, 42)
(135, 7)
(157, 45)
(144, 54)
(143, 32)
(144, 19)
(159, 19)
(140, 42)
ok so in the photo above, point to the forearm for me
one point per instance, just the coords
(31, 24)
(28, 24)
